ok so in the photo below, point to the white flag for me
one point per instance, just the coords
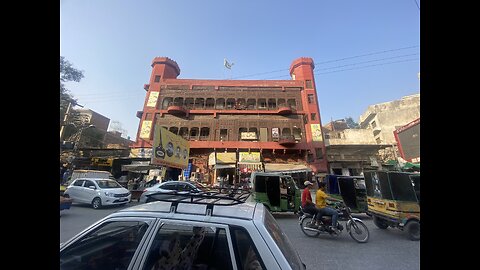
(227, 64)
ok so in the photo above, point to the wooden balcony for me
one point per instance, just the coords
(287, 140)
(284, 110)
(177, 110)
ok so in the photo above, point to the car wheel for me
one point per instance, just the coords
(96, 203)
(380, 223)
(413, 230)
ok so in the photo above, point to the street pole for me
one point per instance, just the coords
(67, 112)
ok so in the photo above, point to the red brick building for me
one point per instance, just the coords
(237, 126)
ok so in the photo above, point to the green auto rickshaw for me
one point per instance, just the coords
(349, 189)
(278, 192)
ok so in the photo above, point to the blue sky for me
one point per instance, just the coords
(365, 52)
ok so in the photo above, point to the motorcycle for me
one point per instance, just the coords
(354, 226)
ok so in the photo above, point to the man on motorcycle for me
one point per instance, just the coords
(307, 203)
(322, 209)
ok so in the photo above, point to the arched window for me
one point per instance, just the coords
(220, 104)
(286, 132)
(174, 130)
(178, 101)
(262, 104)
(194, 133)
(166, 102)
(204, 133)
(297, 133)
(210, 104)
(189, 103)
(251, 104)
(292, 103)
(183, 132)
(199, 103)
(281, 102)
(240, 130)
(240, 104)
(230, 104)
(272, 104)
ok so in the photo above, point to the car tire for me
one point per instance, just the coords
(97, 203)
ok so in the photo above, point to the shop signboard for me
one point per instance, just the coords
(169, 149)
(275, 133)
(146, 128)
(249, 157)
(248, 135)
(316, 132)
(226, 158)
(141, 152)
(152, 99)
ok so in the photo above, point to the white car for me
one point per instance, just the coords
(97, 192)
(190, 231)
(181, 187)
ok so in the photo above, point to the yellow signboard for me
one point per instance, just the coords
(316, 132)
(146, 128)
(249, 157)
(152, 99)
(169, 149)
(226, 158)
(248, 136)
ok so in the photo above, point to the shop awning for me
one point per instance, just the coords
(224, 166)
(290, 168)
(141, 168)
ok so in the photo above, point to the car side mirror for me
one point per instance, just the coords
(92, 187)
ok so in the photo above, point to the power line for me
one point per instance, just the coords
(331, 61)
(417, 5)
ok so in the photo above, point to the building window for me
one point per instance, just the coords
(308, 84)
(313, 116)
(223, 134)
(311, 98)
(319, 153)
(309, 157)
(148, 116)
(379, 141)
(374, 124)
(157, 78)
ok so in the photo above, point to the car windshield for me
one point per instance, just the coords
(105, 183)
(282, 242)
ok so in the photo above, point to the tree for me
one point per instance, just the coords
(351, 123)
(67, 73)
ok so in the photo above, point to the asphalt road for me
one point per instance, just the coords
(386, 249)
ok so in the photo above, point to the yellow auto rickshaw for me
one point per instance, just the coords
(393, 199)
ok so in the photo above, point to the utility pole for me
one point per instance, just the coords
(65, 118)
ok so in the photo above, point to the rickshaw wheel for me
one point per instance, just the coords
(380, 223)
(413, 229)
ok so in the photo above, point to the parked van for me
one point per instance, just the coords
(278, 192)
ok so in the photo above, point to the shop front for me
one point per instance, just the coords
(224, 168)
(248, 162)
(299, 172)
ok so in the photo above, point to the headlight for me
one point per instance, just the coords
(108, 194)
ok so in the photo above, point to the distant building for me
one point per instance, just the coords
(350, 151)
(235, 127)
(383, 118)
(88, 116)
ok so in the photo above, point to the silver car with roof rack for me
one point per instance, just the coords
(184, 231)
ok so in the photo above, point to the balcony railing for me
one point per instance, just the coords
(177, 110)
(284, 110)
(287, 140)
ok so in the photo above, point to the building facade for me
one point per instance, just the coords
(383, 118)
(351, 151)
(235, 127)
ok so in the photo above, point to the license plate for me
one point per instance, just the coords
(122, 200)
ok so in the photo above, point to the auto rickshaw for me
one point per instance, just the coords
(349, 189)
(278, 192)
(393, 199)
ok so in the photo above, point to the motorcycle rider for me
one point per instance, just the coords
(307, 204)
(321, 203)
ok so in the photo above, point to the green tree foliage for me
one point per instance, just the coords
(351, 123)
(67, 73)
